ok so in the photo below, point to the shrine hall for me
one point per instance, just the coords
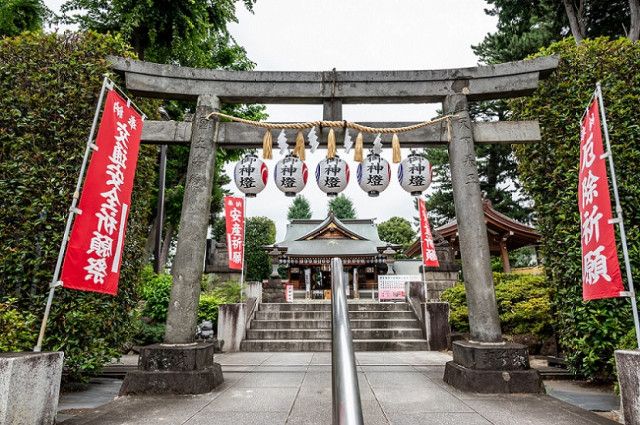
(309, 245)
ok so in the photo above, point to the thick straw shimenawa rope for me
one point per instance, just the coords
(335, 124)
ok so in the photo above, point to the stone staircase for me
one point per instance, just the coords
(306, 326)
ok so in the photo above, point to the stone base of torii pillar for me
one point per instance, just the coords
(492, 368)
(174, 369)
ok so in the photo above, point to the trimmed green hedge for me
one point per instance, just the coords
(524, 305)
(588, 332)
(49, 85)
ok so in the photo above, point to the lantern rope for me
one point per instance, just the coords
(338, 124)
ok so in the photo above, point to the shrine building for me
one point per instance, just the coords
(309, 245)
(504, 234)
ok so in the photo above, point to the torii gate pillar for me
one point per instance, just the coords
(180, 366)
(485, 363)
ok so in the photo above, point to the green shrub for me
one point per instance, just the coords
(588, 332)
(208, 307)
(49, 85)
(149, 333)
(156, 292)
(524, 305)
(225, 293)
(18, 329)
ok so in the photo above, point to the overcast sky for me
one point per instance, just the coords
(295, 35)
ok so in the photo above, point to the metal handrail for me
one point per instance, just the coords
(347, 409)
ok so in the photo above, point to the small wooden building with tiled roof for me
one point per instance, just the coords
(505, 234)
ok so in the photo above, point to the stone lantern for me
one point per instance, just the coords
(389, 258)
(275, 254)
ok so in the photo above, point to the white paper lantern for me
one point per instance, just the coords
(414, 174)
(374, 174)
(250, 175)
(332, 175)
(290, 175)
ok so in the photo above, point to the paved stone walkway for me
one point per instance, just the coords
(295, 388)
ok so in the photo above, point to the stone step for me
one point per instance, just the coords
(293, 345)
(326, 315)
(326, 334)
(326, 306)
(326, 324)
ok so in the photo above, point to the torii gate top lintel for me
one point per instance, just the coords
(504, 80)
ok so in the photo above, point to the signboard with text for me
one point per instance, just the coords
(393, 286)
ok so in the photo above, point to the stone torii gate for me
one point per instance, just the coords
(485, 363)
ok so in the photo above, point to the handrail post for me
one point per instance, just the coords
(347, 409)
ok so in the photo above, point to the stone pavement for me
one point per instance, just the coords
(295, 388)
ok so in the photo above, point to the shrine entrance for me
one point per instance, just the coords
(454, 88)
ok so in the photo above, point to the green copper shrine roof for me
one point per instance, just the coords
(359, 237)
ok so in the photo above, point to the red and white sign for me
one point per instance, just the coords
(234, 214)
(94, 254)
(601, 276)
(393, 286)
(288, 293)
(429, 257)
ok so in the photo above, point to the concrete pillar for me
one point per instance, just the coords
(188, 262)
(474, 245)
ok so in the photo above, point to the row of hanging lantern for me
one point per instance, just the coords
(332, 174)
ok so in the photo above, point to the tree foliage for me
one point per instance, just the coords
(260, 231)
(299, 209)
(397, 230)
(190, 33)
(186, 33)
(342, 207)
(48, 92)
(589, 331)
(523, 30)
(17, 16)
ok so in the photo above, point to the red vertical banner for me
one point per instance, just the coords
(94, 253)
(234, 216)
(429, 256)
(601, 277)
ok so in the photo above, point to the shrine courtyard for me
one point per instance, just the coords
(295, 388)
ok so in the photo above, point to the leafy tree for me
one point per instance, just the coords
(260, 231)
(589, 332)
(187, 33)
(42, 142)
(299, 209)
(342, 207)
(397, 230)
(17, 16)
(523, 29)
(190, 33)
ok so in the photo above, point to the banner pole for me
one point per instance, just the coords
(244, 235)
(72, 212)
(619, 219)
